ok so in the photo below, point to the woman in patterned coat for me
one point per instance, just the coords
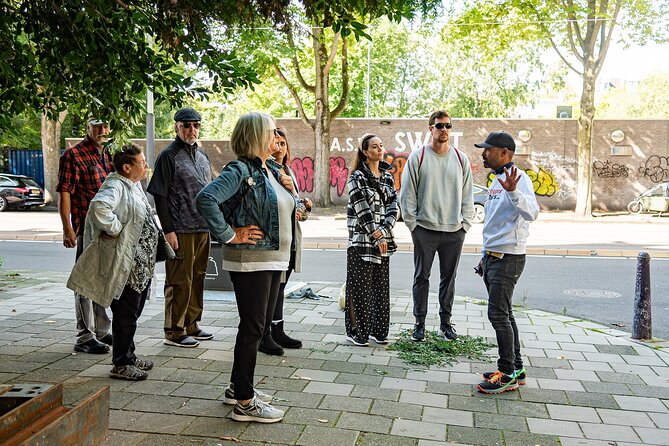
(371, 216)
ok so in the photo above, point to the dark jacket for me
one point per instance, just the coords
(242, 196)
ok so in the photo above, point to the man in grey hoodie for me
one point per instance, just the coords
(437, 205)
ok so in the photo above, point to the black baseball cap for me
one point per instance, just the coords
(498, 139)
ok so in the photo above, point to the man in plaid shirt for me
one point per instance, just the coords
(81, 172)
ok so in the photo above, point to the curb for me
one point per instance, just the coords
(475, 249)
(408, 247)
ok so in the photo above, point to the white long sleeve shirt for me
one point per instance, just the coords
(507, 215)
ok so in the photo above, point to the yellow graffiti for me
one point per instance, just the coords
(543, 181)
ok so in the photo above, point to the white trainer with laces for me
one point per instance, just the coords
(257, 411)
(230, 395)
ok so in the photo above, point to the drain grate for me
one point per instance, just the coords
(592, 293)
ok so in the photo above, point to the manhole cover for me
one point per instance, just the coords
(592, 294)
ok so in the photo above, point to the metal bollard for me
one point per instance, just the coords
(642, 327)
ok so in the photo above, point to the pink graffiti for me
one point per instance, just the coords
(338, 174)
(304, 172)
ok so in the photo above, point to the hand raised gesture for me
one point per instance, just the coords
(511, 181)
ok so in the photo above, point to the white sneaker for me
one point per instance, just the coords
(230, 395)
(257, 411)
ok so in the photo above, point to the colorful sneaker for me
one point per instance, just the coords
(519, 374)
(230, 395)
(499, 382)
(418, 334)
(257, 411)
(355, 340)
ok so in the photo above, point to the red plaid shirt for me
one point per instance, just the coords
(81, 172)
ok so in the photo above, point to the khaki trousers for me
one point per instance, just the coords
(184, 285)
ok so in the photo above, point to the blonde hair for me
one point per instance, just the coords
(252, 134)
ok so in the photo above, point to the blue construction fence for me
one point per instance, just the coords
(26, 162)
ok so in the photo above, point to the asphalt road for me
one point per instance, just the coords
(599, 289)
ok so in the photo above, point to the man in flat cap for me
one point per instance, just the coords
(81, 171)
(510, 206)
(181, 171)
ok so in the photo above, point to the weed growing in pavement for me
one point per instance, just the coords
(564, 310)
(524, 299)
(434, 350)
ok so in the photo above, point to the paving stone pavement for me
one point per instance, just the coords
(587, 385)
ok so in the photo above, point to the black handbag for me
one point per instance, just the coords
(163, 249)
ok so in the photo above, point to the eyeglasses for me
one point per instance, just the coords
(188, 124)
(443, 125)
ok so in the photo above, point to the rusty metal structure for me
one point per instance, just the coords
(34, 414)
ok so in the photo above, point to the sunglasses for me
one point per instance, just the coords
(188, 124)
(443, 125)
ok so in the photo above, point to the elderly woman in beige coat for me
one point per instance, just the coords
(116, 267)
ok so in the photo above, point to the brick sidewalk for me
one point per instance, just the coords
(587, 384)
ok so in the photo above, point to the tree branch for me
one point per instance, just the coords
(557, 50)
(296, 97)
(333, 54)
(574, 22)
(604, 48)
(296, 63)
(343, 101)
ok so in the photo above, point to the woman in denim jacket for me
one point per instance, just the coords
(250, 208)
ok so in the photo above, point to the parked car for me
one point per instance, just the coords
(480, 197)
(19, 192)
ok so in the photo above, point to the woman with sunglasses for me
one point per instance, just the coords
(250, 208)
(275, 338)
(371, 216)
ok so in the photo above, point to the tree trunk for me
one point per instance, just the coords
(322, 161)
(584, 186)
(322, 122)
(51, 153)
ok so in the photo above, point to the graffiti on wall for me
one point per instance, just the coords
(607, 169)
(397, 163)
(656, 168)
(543, 181)
(304, 173)
(338, 174)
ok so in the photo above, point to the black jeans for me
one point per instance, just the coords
(427, 243)
(500, 277)
(125, 312)
(255, 293)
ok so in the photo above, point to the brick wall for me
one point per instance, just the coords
(620, 170)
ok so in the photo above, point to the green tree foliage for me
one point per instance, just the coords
(648, 100)
(306, 50)
(415, 70)
(580, 32)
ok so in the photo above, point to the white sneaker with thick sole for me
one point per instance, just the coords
(258, 412)
(230, 395)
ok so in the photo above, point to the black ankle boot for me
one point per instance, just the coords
(281, 338)
(269, 347)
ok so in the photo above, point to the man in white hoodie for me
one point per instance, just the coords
(511, 205)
